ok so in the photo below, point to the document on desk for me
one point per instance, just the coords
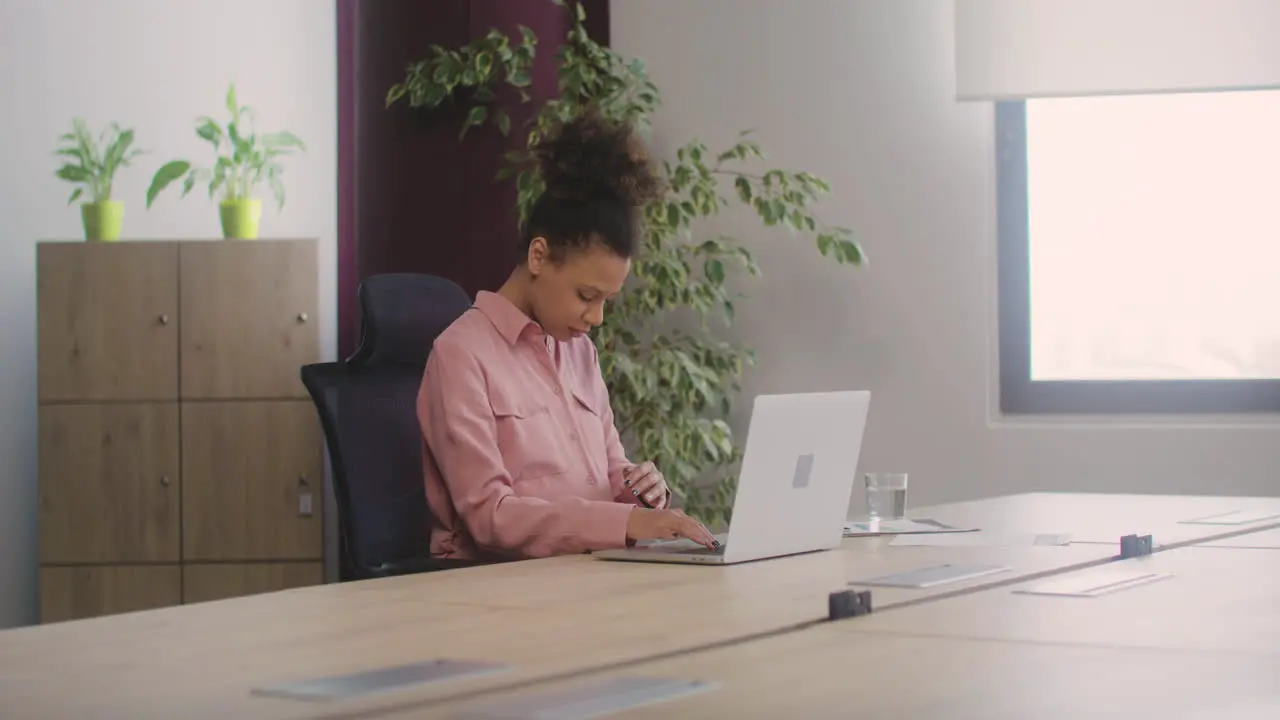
(984, 538)
(595, 699)
(1235, 517)
(1093, 583)
(379, 680)
(904, 526)
(927, 577)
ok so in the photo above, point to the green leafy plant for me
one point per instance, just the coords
(92, 162)
(671, 389)
(244, 159)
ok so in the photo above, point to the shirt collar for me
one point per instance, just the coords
(505, 316)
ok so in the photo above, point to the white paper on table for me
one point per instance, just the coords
(983, 538)
(1093, 583)
(901, 526)
(1234, 517)
(927, 577)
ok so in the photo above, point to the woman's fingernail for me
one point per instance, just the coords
(627, 482)
(636, 493)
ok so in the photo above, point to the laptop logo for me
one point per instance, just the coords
(804, 468)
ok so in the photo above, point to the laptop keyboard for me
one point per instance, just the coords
(700, 550)
(682, 548)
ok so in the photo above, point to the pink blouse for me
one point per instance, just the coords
(521, 455)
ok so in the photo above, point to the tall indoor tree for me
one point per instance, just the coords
(671, 387)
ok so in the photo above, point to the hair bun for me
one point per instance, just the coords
(590, 157)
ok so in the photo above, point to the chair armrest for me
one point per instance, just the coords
(414, 566)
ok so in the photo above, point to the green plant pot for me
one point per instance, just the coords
(240, 219)
(102, 220)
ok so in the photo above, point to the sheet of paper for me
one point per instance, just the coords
(984, 538)
(1235, 517)
(1093, 583)
(904, 526)
(593, 699)
(379, 680)
(932, 576)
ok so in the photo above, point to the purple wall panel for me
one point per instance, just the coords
(411, 197)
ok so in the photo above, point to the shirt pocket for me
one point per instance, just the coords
(590, 420)
(529, 439)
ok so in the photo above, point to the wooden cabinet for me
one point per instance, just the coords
(176, 442)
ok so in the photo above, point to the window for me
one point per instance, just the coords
(1139, 253)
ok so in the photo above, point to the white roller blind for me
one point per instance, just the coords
(1010, 49)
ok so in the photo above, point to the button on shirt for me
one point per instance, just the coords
(521, 454)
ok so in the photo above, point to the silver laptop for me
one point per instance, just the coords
(793, 493)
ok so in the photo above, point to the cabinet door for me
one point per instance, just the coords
(252, 481)
(201, 583)
(109, 485)
(72, 593)
(248, 318)
(107, 321)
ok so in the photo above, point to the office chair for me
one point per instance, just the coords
(367, 407)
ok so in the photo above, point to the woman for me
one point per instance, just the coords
(521, 454)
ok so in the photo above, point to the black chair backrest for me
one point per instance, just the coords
(367, 407)
(402, 314)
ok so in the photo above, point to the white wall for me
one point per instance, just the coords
(861, 92)
(153, 65)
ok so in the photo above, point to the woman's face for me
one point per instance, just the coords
(568, 297)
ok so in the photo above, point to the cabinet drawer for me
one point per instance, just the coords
(252, 481)
(248, 318)
(204, 582)
(108, 483)
(107, 316)
(72, 593)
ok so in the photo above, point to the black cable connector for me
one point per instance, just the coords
(848, 603)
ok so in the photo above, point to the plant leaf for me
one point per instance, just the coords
(282, 140)
(73, 173)
(277, 189)
(210, 131)
(221, 170)
(396, 92)
(164, 176)
(476, 116)
(715, 271)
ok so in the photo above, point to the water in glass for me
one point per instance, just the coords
(886, 496)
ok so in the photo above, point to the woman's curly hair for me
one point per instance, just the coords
(596, 173)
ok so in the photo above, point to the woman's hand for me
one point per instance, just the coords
(645, 524)
(646, 482)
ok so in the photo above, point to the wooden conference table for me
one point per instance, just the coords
(749, 641)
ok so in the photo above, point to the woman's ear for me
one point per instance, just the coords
(539, 253)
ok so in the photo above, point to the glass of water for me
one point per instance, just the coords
(886, 496)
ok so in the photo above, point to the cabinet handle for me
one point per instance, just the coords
(165, 481)
(305, 502)
(164, 318)
(302, 317)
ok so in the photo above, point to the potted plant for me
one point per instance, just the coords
(244, 161)
(91, 165)
(671, 390)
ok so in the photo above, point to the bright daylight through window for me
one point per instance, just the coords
(1153, 237)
